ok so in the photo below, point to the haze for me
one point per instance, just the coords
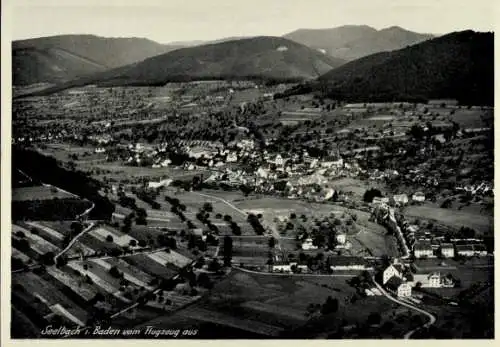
(204, 20)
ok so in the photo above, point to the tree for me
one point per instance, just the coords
(228, 250)
(447, 203)
(109, 238)
(370, 194)
(61, 261)
(417, 132)
(208, 207)
(331, 305)
(374, 318)
(76, 228)
(133, 243)
(113, 271)
(272, 242)
(142, 243)
(204, 281)
(48, 258)
(214, 266)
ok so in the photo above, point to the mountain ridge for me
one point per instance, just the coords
(350, 42)
(263, 57)
(458, 65)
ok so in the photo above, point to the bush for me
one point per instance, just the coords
(370, 194)
(113, 271)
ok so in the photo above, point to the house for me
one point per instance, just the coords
(380, 201)
(329, 162)
(348, 263)
(278, 160)
(308, 244)
(166, 162)
(426, 280)
(400, 199)
(261, 172)
(447, 250)
(422, 249)
(465, 250)
(393, 270)
(162, 183)
(396, 285)
(418, 197)
(231, 158)
(447, 281)
(282, 267)
(341, 238)
(480, 250)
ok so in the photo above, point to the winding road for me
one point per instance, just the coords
(431, 321)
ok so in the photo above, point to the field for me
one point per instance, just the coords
(276, 306)
(37, 243)
(453, 218)
(52, 297)
(38, 193)
(119, 238)
(355, 186)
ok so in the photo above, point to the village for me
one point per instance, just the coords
(256, 187)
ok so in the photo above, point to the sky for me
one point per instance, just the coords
(165, 21)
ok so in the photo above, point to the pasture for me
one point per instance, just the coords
(38, 193)
(453, 218)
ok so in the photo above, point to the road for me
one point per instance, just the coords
(431, 321)
(104, 257)
(72, 242)
(291, 274)
(275, 232)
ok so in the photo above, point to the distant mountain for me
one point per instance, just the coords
(459, 65)
(58, 59)
(351, 42)
(262, 58)
(201, 42)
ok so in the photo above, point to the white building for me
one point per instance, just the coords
(400, 199)
(404, 290)
(231, 158)
(418, 196)
(341, 238)
(423, 249)
(447, 250)
(279, 160)
(391, 271)
(308, 244)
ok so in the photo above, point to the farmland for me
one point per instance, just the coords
(220, 208)
(39, 193)
(274, 306)
(453, 218)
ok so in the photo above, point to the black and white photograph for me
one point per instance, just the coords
(251, 170)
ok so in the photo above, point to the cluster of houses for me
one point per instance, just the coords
(398, 200)
(340, 237)
(400, 279)
(340, 263)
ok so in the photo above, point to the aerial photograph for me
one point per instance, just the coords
(252, 170)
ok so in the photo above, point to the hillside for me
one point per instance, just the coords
(263, 58)
(458, 65)
(352, 42)
(58, 59)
